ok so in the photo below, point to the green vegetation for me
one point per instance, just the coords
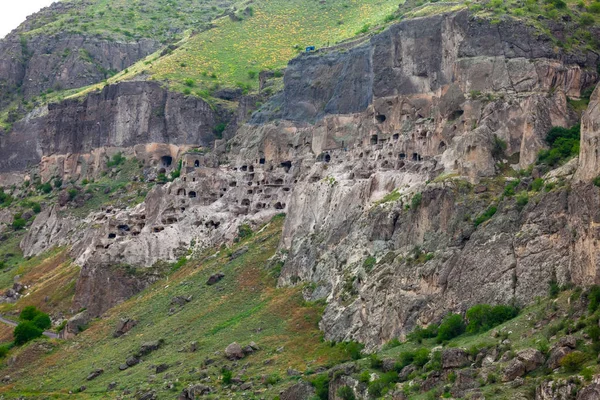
(275, 32)
(483, 317)
(564, 144)
(25, 332)
(415, 202)
(487, 214)
(125, 20)
(393, 196)
(116, 160)
(452, 326)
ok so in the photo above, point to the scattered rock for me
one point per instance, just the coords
(124, 326)
(149, 347)
(454, 358)
(111, 386)
(300, 391)
(193, 347)
(94, 374)
(234, 352)
(406, 371)
(388, 364)
(239, 252)
(215, 278)
(532, 359)
(123, 367)
(161, 368)
(193, 392)
(131, 361)
(515, 368)
(181, 300)
(591, 392)
(556, 354)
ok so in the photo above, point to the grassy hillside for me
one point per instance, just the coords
(129, 19)
(245, 306)
(264, 35)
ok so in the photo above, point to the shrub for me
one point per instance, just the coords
(509, 189)
(594, 8)
(18, 222)
(4, 349)
(72, 193)
(594, 298)
(419, 333)
(380, 386)
(498, 148)
(586, 19)
(42, 321)
(416, 201)
(369, 263)
(563, 142)
(375, 361)
(484, 317)
(189, 82)
(36, 208)
(26, 331)
(573, 362)
(244, 231)
(451, 327)
(321, 384)
(597, 181)
(537, 184)
(219, 129)
(45, 187)
(554, 289)
(116, 160)
(345, 393)
(251, 74)
(487, 214)
(421, 357)
(522, 200)
(353, 349)
(227, 375)
(29, 313)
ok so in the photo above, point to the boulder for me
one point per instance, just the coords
(454, 358)
(75, 325)
(181, 300)
(590, 392)
(406, 371)
(515, 368)
(466, 379)
(560, 389)
(149, 347)
(388, 364)
(123, 326)
(94, 374)
(131, 361)
(234, 352)
(556, 354)
(161, 368)
(215, 278)
(532, 358)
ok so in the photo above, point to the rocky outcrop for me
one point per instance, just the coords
(119, 116)
(589, 159)
(37, 63)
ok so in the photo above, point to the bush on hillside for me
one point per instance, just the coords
(25, 332)
(451, 327)
(564, 144)
(484, 317)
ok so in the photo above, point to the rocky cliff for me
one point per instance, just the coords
(381, 187)
(65, 137)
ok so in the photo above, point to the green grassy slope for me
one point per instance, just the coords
(129, 19)
(245, 306)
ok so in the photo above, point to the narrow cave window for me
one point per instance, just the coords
(197, 163)
(192, 195)
(380, 118)
(112, 235)
(327, 158)
(261, 161)
(286, 165)
(374, 139)
(442, 146)
(396, 136)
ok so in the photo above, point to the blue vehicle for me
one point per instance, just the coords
(310, 49)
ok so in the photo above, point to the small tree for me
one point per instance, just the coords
(29, 313)
(26, 331)
(42, 321)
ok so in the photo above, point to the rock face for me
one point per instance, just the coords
(64, 136)
(589, 160)
(362, 166)
(300, 391)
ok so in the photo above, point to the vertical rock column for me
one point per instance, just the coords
(589, 154)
